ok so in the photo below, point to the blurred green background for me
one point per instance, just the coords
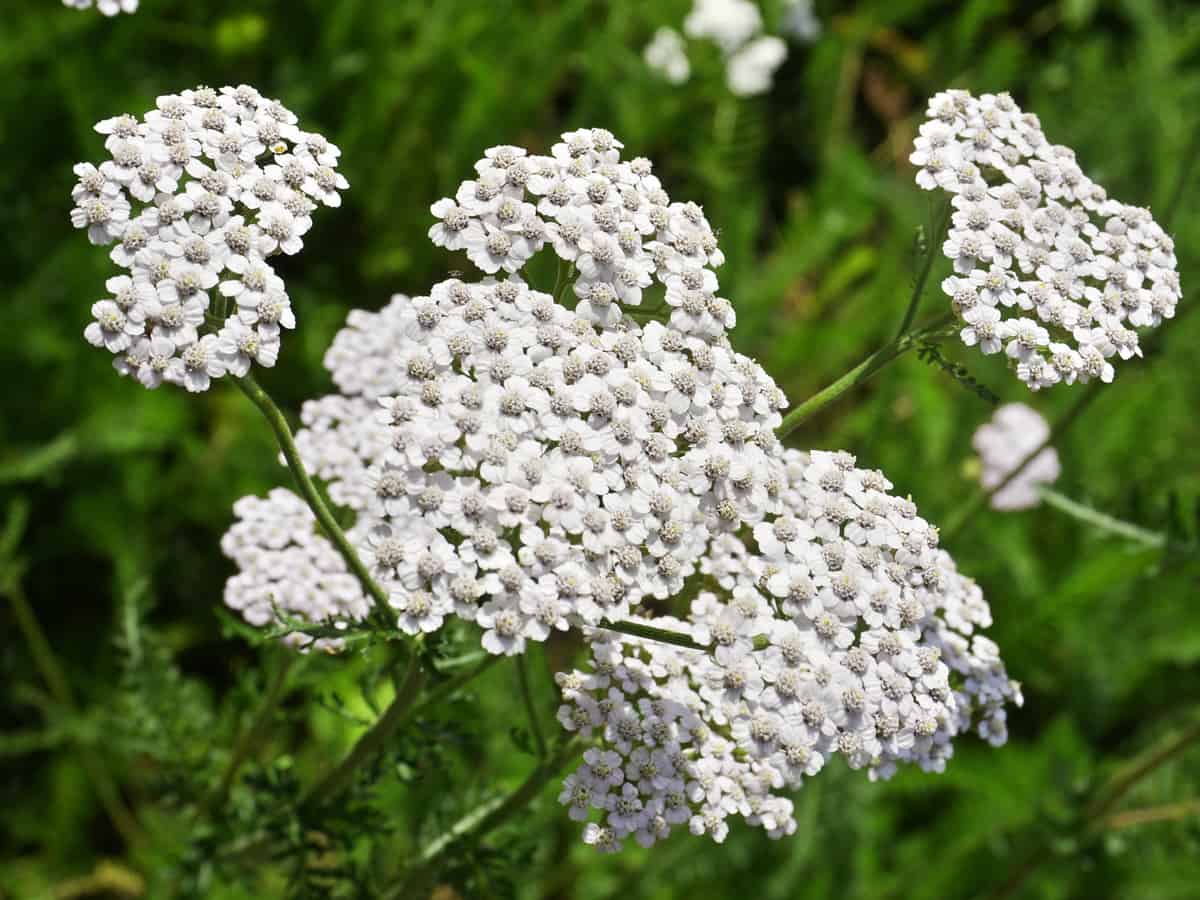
(114, 498)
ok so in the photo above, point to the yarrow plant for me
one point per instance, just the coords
(197, 195)
(106, 7)
(1048, 269)
(1014, 432)
(750, 611)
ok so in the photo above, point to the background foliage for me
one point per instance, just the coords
(114, 498)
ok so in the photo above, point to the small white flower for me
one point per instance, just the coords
(1014, 431)
(665, 54)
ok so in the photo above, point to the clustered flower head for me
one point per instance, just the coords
(1048, 269)
(834, 628)
(287, 569)
(106, 7)
(1015, 431)
(531, 468)
(609, 219)
(736, 27)
(197, 195)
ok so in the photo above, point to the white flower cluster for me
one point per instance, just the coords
(844, 630)
(288, 569)
(610, 220)
(531, 469)
(107, 7)
(736, 27)
(543, 473)
(1014, 431)
(197, 196)
(1048, 268)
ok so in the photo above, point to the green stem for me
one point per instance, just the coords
(890, 351)
(1167, 812)
(932, 251)
(651, 633)
(1097, 817)
(404, 706)
(1123, 782)
(1181, 181)
(372, 741)
(329, 524)
(1103, 521)
(535, 727)
(480, 821)
(245, 745)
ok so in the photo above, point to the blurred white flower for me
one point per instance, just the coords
(752, 67)
(736, 27)
(727, 23)
(665, 54)
(1014, 431)
(107, 7)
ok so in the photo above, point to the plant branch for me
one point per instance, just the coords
(652, 633)
(1097, 817)
(480, 821)
(1103, 521)
(1168, 812)
(372, 741)
(245, 744)
(1123, 782)
(890, 351)
(329, 524)
(46, 662)
(931, 252)
(403, 707)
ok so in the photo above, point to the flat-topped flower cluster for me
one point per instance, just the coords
(1049, 269)
(837, 628)
(198, 194)
(532, 468)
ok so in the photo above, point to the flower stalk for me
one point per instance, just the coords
(487, 817)
(308, 489)
(889, 352)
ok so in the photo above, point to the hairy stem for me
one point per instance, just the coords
(890, 351)
(329, 524)
(485, 818)
(1167, 812)
(1123, 782)
(245, 744)
(1103, 521)
(1098, 817)
(932, 251)
(372, 741)
(651, 633)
